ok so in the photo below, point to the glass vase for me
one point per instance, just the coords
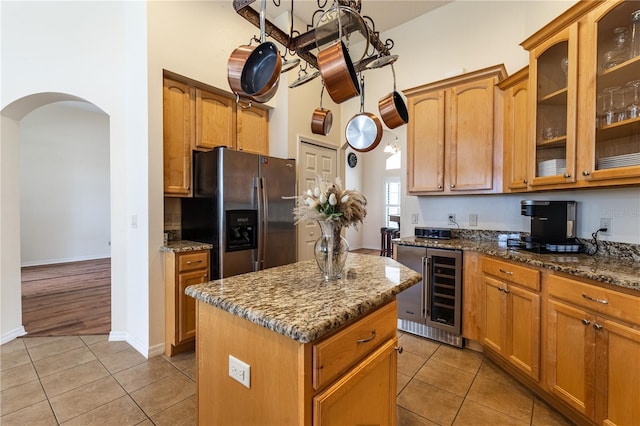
(331, 251)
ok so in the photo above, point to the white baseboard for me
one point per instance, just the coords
(7, 337)
(146, 351)
(64, 260)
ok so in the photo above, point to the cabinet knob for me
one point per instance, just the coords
(586, 321)
(439, 186)
(399, 349)
(586, 173)
(597, 326)
(453, 185)
(525, 181)
(567, 175)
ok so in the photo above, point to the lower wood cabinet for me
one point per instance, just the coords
(348, 377)
(181, 271)
(512, 314)
(593, 356)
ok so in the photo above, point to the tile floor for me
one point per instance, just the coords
(87, 380)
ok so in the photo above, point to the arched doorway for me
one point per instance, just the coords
(15, 116)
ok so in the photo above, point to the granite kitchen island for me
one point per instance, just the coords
(319, 352)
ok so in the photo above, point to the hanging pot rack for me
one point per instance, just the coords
(304, 44)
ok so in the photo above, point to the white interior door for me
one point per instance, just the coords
(314, 160)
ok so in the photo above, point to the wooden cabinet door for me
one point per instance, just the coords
(366, 395)
(215, 120)
(469, 136)
(570, 358)
(516, 131)
(186, 309)
(618, 373)
(178, 134)
(253, 130)
(523, 331)
(495, 329)
(425, 140)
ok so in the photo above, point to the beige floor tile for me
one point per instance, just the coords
(122, 360)
(409, 363)
(182, 361)
(55, 347)
(91, 339)
(544, 415)
(64, 361)
(181, 414)
(491, 371)
(445, 377)
(21, 396)
(403, 379)
(509, 400)
(37, 414)
(464, 359)
(407, 418)
(106, 348)
(430, 402)
(144, 374)
(418, 345)
(35, 341)
(191, 372)
(72, 378)
(161, 395)
(17, 376)
(14, 358)
(119, 412)
(474, 414)
(85, 398)
(145, 423)
(14, 345)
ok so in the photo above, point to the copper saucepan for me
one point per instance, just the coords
(322, 119)
(393, 108)
(364, 130)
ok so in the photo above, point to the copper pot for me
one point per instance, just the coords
(322, 119)
(338, 73)
(393, 108)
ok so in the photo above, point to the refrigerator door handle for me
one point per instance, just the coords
(262, 220)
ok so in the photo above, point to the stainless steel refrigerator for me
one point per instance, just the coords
(238, 207)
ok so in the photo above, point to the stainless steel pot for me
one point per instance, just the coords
(364, 130)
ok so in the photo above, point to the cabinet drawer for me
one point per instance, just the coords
(337, 353)
(596, 299)
(191, 261)
(506, 271)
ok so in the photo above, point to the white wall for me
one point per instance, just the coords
(466, 35)
(96, 52)
(64, 184)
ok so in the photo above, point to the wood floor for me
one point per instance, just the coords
(67, 298)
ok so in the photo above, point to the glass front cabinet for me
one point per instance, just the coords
(584, 91)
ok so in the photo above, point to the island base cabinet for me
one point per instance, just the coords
(363, 396)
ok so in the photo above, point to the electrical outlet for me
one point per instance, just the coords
(606, 222)
(414, 218)
(473, 219)
(240, 371)
(451, 218)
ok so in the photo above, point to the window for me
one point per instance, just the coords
(392, 189)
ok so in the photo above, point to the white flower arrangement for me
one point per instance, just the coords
(328, 202)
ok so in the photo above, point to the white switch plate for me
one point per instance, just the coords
(606, 222)
(473, 219)
(240, 371)
(414, 218)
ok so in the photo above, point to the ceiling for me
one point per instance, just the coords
(385, 13)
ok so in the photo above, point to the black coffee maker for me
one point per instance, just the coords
(553, 225)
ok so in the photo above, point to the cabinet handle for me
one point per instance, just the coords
(204, 278)
(586, 173)
(311, 234)
(191, 262)
(453, 185)
(399, 349)
(439, 186)
(506, 290)
(597, 326)
(586, 321)
(505, 272)
(567, 175)
(368, 339)
(525, 181)
(603, 301)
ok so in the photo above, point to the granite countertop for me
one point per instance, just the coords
(182, 246)
(295, 301)
(618, 272)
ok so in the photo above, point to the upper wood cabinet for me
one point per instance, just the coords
(516, 131)
(201, 118)
(582, 134)
(454, 139)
